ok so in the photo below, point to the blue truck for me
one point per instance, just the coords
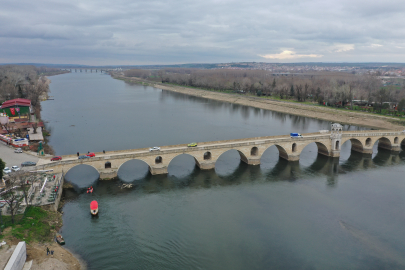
(295, 135)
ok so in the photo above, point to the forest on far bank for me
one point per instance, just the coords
(338, 89)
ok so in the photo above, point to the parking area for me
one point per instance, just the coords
(10, 158)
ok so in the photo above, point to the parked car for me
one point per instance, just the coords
(154, 149)
(91, 155)
(83, 157)
(6, 170)
(28, 163)
(15, 168)
(18, 150)
(295, 135)
(56, 158)
(193, 144)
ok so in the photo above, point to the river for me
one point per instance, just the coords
(317, 213)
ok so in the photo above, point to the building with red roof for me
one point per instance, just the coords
(17, 108)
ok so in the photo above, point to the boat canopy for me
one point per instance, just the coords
(93, 205)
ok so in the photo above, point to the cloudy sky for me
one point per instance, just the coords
(105, 32)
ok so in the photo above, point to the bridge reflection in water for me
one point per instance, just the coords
(229, 169)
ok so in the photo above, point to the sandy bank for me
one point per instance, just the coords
(323, 113)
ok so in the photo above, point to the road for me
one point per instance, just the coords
(10, 158)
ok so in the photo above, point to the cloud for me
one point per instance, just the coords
(289, 55)
(342, 47)
(184, 31)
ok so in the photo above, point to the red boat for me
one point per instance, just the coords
(94, 208)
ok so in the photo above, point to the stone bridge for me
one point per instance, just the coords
(250, 150)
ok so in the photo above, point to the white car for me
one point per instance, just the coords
(15, 168)
(6, 170)
(154, 149)
(18, 150)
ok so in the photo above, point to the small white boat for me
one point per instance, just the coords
(94, 208)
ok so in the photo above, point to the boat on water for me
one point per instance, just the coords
(94, 208)
(59, 239)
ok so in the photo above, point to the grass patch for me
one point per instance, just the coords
(32, 227)
(36, 225)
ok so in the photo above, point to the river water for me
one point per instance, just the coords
(317, 213)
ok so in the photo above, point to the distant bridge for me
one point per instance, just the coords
(250, 150)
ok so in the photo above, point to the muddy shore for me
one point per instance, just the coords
(312, 111)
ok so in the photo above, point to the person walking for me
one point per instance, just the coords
(77, 153)
(47, 251)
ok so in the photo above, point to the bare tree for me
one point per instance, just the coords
(12, 195)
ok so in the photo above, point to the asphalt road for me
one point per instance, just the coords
(10, 158)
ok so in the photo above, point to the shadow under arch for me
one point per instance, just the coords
(311, 152)
(182, 165)
(82, 176)
(356, 145)
(131, 170)
(228, 162)
(383, 143)
(271, 155)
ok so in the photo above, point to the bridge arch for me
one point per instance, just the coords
(384, 143)
(310, 152)
(207, 155)
(281, 151)
(81, 175)
(357, 145)
(229, 161)
(243, 156)
(132, 169)
(185, 161)
(294, 147)
(68, 168)
(158, 160)
(254, 151)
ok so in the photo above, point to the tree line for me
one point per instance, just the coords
(337, 89)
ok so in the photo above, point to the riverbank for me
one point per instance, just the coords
(37, 239)
(312, 111)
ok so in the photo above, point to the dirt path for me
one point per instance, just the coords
(61, 258)
(323, 113)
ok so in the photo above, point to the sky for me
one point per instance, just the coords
(143, 32)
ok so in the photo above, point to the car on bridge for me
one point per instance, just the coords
(193, 144)
(295, 135)
(83, 157)
(91, 155)
(56, 158)
(6, 170)
(28, 163)
(155, 148)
